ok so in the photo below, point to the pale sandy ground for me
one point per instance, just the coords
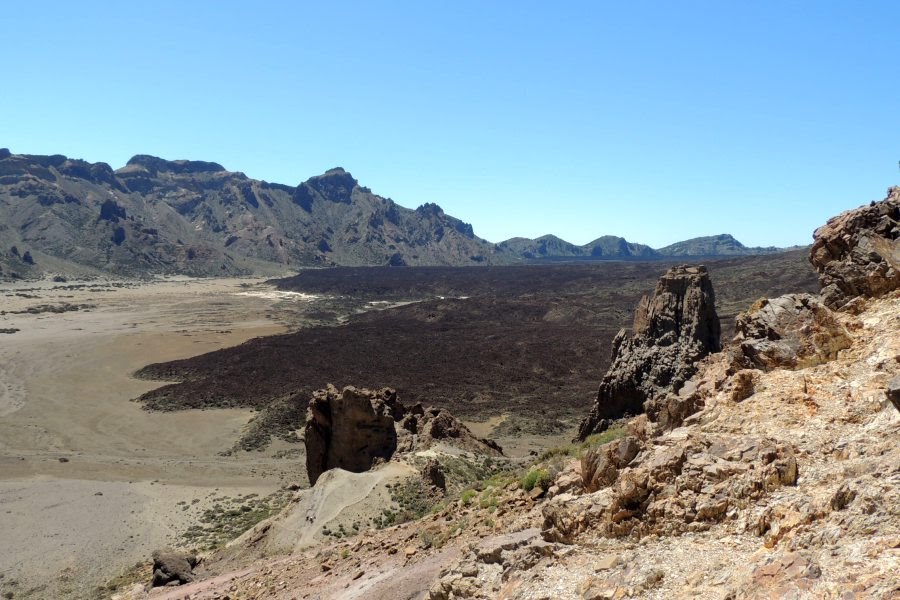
(65, 392)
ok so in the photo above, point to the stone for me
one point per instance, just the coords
(604, 563)
(857, 253)
(842, 497)
(742, 385)
(672, 331)
(794, 331)
(600, 466)
(433, 474)
(172, 567)
(893, 391)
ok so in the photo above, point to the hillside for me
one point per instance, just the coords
(154, 216)
(197, 218)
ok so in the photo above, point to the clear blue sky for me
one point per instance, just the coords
(657, 121)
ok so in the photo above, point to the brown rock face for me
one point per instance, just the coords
(672, 331)
(794, 331)
(857, 253)
(350, 429)
(353, 429)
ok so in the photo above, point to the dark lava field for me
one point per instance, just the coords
(532, 341)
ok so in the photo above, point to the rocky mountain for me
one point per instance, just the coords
(713, 245)
(156, 216)
(197, 218)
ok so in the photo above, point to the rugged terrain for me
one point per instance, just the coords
(523, 343)
(70, 218)
(780, 479)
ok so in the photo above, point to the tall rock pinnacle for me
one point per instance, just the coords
(673, 329)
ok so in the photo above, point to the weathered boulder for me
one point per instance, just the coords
(672, 330)
(172, 567)
(857, 253)
(794, 331)
(354, 429)
(600, 466)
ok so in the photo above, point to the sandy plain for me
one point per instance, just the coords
(90, 483)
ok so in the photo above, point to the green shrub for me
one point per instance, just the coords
(535, 477)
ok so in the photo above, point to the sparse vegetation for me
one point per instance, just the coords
(228, 518)
(576, 450)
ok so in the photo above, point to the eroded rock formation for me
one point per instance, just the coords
(354, 429)
(857, 253)
(672, 330)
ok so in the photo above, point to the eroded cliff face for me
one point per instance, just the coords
(672, 331)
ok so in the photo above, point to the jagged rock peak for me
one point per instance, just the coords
(672, 331)
(857, 253)
(155, 165)
(334, 184)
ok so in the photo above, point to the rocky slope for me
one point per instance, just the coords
(783, 481)
(197, 218)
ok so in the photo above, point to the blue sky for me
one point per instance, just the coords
(654, 121)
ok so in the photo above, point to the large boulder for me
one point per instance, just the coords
(857, 253)
(172, 567)
(354, 429)
(794, 331)
(672, 331)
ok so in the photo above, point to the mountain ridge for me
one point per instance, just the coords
(192, 217)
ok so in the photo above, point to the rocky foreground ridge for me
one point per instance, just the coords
(782, 480)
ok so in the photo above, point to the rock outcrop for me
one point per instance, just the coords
(600, 466)
(673, 330)
(794, 331)
(355, 429)
(857, 253)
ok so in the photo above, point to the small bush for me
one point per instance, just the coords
(535, 478)
(467, 497)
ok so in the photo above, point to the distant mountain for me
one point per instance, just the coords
(713, 245)
(192, 217)
(542, 247)
(609, 247)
